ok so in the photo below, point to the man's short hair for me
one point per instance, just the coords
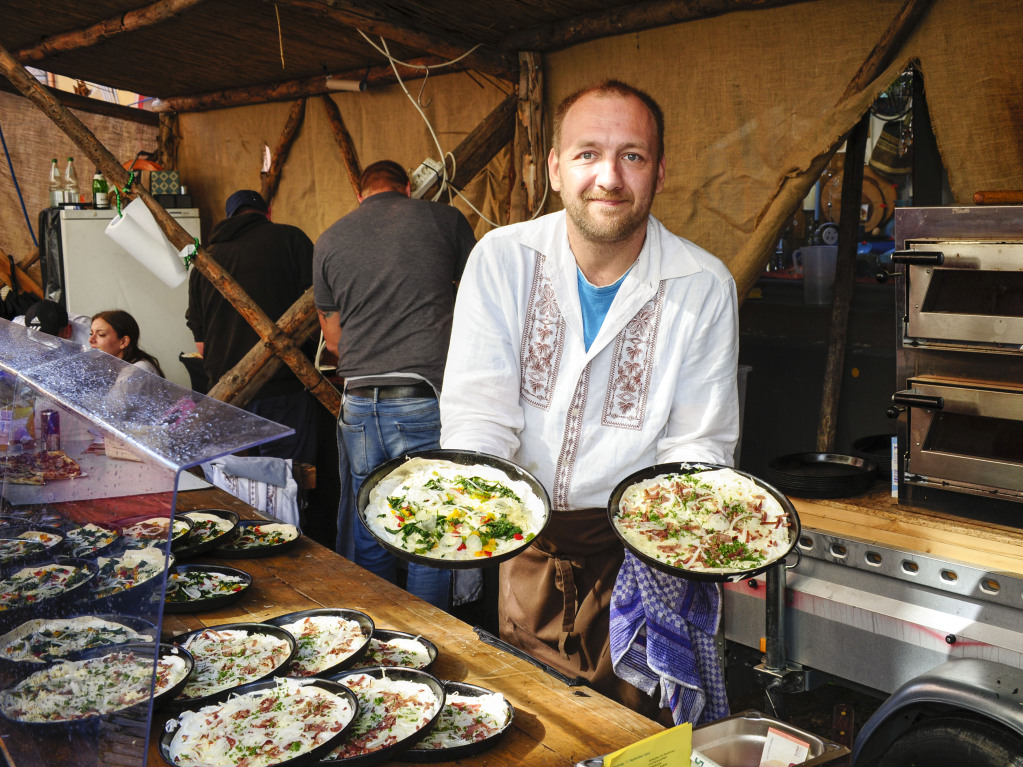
(383, 173)
(610, 88)
(47, 316)
(245, 199)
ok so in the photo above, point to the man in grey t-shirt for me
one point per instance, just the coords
(384, 285)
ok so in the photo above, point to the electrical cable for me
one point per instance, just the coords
(444, 178)
(17, 188)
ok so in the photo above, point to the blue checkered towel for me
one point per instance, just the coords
(662, 636)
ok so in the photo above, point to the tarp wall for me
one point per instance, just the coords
(747, 98)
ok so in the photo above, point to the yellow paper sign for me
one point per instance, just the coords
(665, 749)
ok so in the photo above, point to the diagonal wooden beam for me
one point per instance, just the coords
(633, 17)
(344, 142)
(777, 212)
(294, 89)
(417, 34)
(116, 25)
(481, 144)
(87, 143)
(291, 126)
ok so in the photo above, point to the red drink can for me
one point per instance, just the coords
(49, 427)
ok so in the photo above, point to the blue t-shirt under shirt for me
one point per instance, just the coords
(595, 303)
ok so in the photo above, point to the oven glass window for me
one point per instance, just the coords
(967, 291)
(995, 439)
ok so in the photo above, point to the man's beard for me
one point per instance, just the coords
(618, 226)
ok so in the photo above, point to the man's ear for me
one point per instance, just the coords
(553, 168)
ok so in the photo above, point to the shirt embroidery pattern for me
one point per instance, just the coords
(543, 339)
(570, 441)
(629, 382)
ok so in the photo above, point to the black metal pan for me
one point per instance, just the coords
(698, 575)
(465, 458)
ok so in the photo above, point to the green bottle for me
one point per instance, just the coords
(100, 197)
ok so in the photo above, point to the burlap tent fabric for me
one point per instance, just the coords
(748, 98)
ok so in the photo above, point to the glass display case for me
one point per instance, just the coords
(93, 452)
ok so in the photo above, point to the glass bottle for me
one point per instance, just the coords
(56, 185)
(100, 197)
(70, 183)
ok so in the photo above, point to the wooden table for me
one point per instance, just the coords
(554, 724)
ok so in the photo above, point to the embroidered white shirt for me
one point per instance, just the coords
(657, 385)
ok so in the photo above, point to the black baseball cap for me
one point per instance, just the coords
(245, 198)
(47, 316)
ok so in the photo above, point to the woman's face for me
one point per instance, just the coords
(104, 338)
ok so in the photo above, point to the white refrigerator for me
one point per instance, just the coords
(100, 275)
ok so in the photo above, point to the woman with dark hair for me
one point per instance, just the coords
(116, 332)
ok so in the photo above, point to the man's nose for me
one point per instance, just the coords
(609, 174)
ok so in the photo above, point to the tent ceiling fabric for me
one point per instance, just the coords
(215, 45)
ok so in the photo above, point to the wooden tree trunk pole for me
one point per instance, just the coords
(291, 127)
(293, 89)
(482, 143)
(260, 363)
(25, 283)
(116, 25)
(845, 267)
(750, 259)
(167, 141)
(108, 165)
(529, 156)
(344, 142)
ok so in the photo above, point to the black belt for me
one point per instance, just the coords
(409, 391)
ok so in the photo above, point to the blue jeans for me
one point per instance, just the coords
(373, 432)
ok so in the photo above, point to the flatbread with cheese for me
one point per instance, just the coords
(447, 511)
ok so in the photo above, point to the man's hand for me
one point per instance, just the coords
(330, 325)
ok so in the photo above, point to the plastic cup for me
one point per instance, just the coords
(818, 273)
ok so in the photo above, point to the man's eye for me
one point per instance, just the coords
(632, 157)
(586, 155)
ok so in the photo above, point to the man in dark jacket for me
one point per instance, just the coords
(273, 264)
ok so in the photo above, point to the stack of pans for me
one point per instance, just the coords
(876, 449)
(820, 475)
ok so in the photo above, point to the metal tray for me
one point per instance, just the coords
(197, 543)
(465, 458)
(341, 613)
(223, 694)
(312, 756)
(418, 754)
(677, 468)
(228, 551)
(213, 602)
(393, 750)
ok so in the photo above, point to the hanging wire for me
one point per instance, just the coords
(445, 180)
(17, 188)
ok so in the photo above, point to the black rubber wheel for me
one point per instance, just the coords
(955, 742)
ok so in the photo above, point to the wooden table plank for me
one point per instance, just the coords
(878, 518)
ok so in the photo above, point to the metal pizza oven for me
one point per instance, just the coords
(960, 356)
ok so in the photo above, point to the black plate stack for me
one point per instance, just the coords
(877, 449)
(820, 475)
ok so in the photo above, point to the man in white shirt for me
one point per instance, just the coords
(587, 345)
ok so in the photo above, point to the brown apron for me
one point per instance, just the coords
(555, 602)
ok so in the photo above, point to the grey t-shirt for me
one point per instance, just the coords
(388, 268)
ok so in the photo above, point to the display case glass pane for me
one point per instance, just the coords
(92, 455)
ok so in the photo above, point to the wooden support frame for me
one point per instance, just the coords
(107, 164)
(529, 155)
(483, 142)
(293, 89)
(272, 179)
(344, 142)
(116, 25)
(416, 33)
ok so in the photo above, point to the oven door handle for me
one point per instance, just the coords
(912, 399)
(918, 257)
